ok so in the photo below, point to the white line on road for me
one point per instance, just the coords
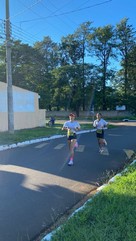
(80, 148)
(42, 145)
(59, 146)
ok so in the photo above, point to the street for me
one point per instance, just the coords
(37, 186)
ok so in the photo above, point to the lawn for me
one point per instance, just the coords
(40, 132)
(108, 216)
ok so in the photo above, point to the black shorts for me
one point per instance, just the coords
(74, 136)
(100, 134)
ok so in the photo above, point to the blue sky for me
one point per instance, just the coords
(33, 19)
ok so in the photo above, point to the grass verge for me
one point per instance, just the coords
(30, 134)
(35, 133)
(109, 216)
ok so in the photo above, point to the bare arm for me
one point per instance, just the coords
(64, 128)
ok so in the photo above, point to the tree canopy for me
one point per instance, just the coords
(93, 67)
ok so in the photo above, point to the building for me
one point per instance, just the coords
(26, 109)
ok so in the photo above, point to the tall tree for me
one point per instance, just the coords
(101, 45)
(81, 34)
(67, 87)
(3, 63)
(126, 42)
(132, 81)
(49, 51)
(132, 71)
(26, 66)
(28, 71)
(71, 50)
(61, 88)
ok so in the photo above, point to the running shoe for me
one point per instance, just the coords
(105, 142)
(70, 163)
(101, 150)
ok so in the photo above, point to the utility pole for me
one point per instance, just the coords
(9, 73)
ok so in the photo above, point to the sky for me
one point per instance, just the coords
(32, 20)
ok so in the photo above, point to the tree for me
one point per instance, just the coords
(2, 63)
(101, 45)
(26, 66)
(28, 71)
(49, 50)
(67, 87)
(132, 71)
(70, 50)
(50, 54)
(126, 42)
(73, 51)
(81, 35)
(132, 80)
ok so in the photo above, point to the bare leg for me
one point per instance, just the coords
(72, 145)
(71, 149)
(101, 143)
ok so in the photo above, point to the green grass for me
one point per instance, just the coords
(110, 216)
(30, 134)
(39, 132)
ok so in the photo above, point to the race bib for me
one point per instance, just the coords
(99, 131)
(70, 133)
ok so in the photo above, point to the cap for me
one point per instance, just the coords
(72, 114)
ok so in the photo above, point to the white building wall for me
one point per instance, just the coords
(26, 109)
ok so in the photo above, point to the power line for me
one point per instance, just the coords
(30, 9)
(60, 14)
(69, 12)
(18, 33)
(27, 8)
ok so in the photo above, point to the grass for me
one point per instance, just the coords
(39, 132)
(109, 216)
(30, 134)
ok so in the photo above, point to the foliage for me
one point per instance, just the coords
(101, 44)
(62, 76)
(126, 46)
(39, 132)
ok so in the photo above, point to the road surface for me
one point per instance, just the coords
(37, 186)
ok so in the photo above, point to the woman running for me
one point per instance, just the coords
(71, 126)
(100, 124)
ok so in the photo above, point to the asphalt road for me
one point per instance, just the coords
(37, 186)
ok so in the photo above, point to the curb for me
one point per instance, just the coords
(14, 145)
(99, 189)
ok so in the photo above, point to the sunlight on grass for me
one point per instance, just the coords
(110, 216)
(35, 133)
